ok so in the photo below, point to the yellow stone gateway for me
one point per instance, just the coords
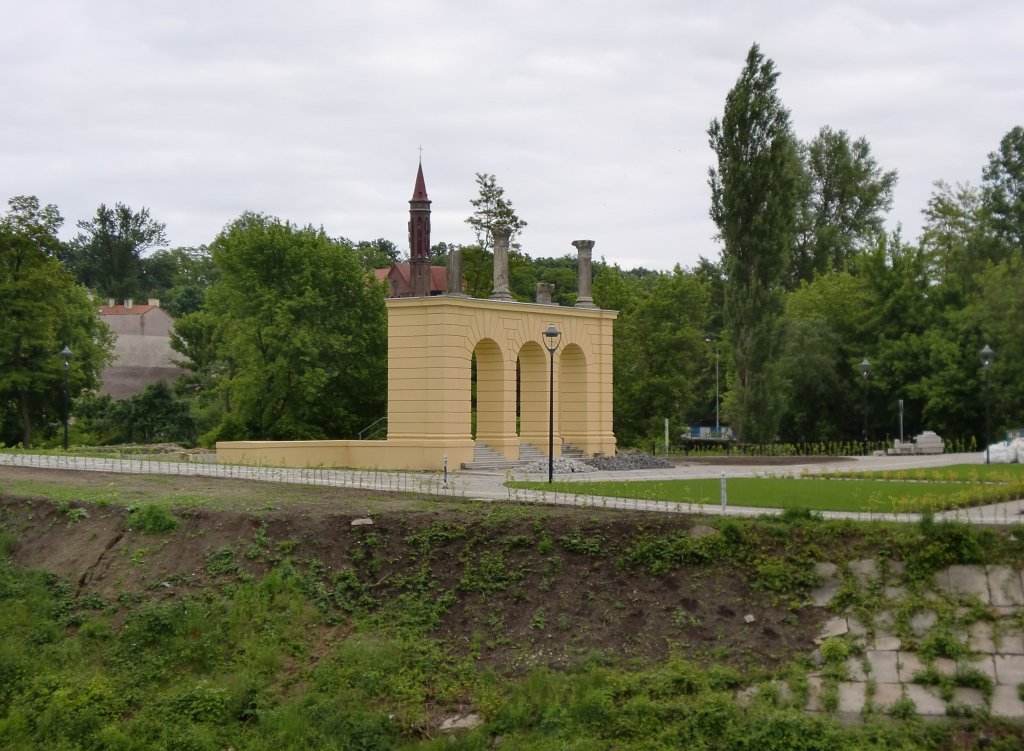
(431, 344)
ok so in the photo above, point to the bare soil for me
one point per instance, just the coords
(557, 608)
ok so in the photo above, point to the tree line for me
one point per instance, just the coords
(284, 328)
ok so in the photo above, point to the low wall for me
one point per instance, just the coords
(389, 454)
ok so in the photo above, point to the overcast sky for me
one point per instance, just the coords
(593, 114)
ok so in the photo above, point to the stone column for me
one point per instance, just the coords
(454, 273)
(544, 292)
(501, 236)
(585, 276)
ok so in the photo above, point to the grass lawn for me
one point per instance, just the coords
(818, 494)
(952, 473)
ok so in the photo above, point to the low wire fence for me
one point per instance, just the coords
(432, 483)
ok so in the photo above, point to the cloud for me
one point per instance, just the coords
(593, 115)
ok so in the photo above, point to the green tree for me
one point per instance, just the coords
(1003, 187)
(178, 277)
(374, 254)
(660, 358)
(477, 270)
(956, 239)
(155, 415)
(107, 253)
(848, 198)
(491, 210)
(42, 310)
(756, 193)
(299, 334)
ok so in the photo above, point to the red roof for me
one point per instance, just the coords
(399, 284)
(121, 310)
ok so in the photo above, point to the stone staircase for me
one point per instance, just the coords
(572, 452)
(484, 457)
(530, 453)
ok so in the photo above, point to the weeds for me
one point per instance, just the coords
(152, 519)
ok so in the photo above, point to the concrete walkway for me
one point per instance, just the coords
(490, 485)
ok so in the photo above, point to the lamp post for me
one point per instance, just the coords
(718, 428)
(865, 371)
(987, 355)
(552, 337)
(67, 355)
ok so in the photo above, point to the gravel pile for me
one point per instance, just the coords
(629, 461)
(561, 466)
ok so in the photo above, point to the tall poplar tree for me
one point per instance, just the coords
(756, 193)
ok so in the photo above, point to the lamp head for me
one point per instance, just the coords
(551, 337)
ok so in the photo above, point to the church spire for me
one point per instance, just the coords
(419, 237)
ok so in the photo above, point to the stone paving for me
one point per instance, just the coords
(974, 614)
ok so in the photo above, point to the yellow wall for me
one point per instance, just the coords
(431, 342)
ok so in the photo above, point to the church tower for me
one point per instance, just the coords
(419, 238)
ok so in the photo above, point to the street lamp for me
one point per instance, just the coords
(987, 355)
(552, 337)
(865, 371)
(67, 355)
(718, 428)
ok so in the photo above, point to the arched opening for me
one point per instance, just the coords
(532, 406)
(488, 389)
(572, 403)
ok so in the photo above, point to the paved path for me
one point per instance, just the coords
(490, 485)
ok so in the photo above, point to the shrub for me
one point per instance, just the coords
(153, 519)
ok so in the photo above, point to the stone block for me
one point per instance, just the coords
(851, 697)
(855, 670)
(908, 663)
(887, 642)
(1011, 642)
(1009, 669)
(895, 592)
(832, 627)
(1006, 703)
(856, 627)
(814, 703)
(896, 570)
(968, 697)
(979, 638)
(985, 664)
(883, 666)
(1004, 584)
(825, 569)
(864, 570)
(968, 580)
(927, 702)
(823, 595)
(944, 665)
(922, 623)
(887, 694)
